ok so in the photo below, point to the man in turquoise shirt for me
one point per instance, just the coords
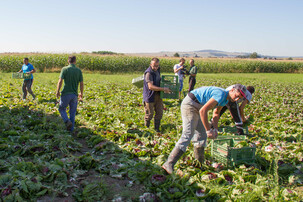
(72, 76)
(27, 83)
(196, 128)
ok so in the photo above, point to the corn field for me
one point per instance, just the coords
(128, 64)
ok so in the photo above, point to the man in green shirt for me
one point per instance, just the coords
(192, 72)
(72, 76)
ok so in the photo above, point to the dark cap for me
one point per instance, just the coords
(242, 89)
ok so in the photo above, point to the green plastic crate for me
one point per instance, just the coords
(17, 75)
(223, 151)
(171, 82)
(138, 81)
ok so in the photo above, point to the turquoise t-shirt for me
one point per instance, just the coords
(27, 68)
(205, 93)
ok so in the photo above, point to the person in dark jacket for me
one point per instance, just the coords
(151, 94)
(193, 73)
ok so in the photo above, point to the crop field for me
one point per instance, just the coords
(112, 156)
(131, 64)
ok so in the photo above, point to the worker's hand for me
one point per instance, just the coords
(167, 90)
(80, 97)
(212, 133)
(58, 94)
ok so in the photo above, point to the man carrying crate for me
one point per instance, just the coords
(151, 94)
(194, 110)
(27, 82)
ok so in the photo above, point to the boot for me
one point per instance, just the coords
(147, 123)
(199, 154)
(240, 129)
(157, 125)
(173, 157)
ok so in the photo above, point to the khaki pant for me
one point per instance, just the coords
(156, 106)
(193, 128)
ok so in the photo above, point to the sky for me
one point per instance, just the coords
(268, 27)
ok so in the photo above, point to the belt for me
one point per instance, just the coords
(193, 97)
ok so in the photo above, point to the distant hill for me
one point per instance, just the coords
(198, 53)
(202, 54)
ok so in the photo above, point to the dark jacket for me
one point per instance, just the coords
(149, 95)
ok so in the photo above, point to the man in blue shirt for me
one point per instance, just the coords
(194, 111)
(27, 83)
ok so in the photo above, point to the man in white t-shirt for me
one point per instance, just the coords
(238, 112)
(179, 71)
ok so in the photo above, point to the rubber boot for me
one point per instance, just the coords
(147, 123)
(157, 125)
(199, 154)
(173, 157)
(240, 129)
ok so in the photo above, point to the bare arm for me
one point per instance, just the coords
(151, 86)
(216, 116)
(58, 87)
(241, 108)
(178, 69)
(33, 71)
(204, 112)
(81, 91)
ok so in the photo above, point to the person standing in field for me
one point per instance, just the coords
(72, 76)
(238, 112)
(178, 70)
(194, 111)
(192, 75)
(151, 94)
(27, 83)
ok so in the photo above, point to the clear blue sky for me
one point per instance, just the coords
(268, 27)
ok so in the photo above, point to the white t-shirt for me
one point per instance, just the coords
(177, 66)
(247, 94)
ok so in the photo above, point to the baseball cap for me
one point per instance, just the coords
(242, 89)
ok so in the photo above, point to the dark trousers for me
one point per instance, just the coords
(156, 106)
(235, 112)
(192, 83)
(27, 87)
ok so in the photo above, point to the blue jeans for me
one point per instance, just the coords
(193, 128)
(70, 100)
(181, 84)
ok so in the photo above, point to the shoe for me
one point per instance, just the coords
(68, 125)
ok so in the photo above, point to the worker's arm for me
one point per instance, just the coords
(81, 91)
(204, 112)
(216, 117)
(241, 108)
(178, 69)
(152, 87)
(58, 87)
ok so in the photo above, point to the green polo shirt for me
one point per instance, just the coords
(72, 76)
(193, 70)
